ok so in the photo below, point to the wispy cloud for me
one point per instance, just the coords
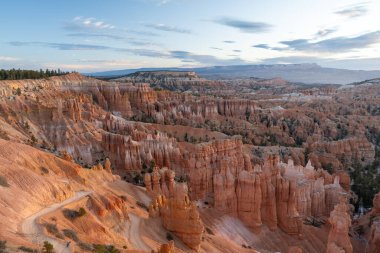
(237, 51)
(82, 23)
(7, 58)
(266, 46)
(60, 46)
(337, 44)
(216, 48)
(168, 28)
(325, 32)
(244, 25)
(229, 41)
(96, 35)
(353, 12)
(186, 56)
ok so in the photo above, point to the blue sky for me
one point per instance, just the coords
(95, 35)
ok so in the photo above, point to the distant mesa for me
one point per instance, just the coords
(308, 73)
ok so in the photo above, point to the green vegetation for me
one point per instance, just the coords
(98, 248)
(73, 214)
(142, 205)
(366, 182)
(47, 247)
(3, 246)
(71, 234)
(52, 229)
(44, 170)
(85, 246)
(3, 182)
(169, 236)
(27, 249)
(17, 74)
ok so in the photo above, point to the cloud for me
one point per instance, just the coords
(168, 28)
(237, 51)
(353, 12)
(229, 41)
(337, 44)
(81, 23)
(352, 63)
(60, 46)
(7, 58)
(186, 56)
(266, 46)
(243, 25)
(325, 32)
(217, 48)
(96, 35)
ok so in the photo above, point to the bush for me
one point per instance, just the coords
(99, 248)
(73, 214)
(52, 229)
(71, 234)
(44, 170)
(47, 247)
(3, 182)
(82, 212)
(169, 237)
(209, 231)
(27, 249)
(142, 205)
(85, 246)
(3, 246)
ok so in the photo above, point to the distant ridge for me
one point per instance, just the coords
(308, 73)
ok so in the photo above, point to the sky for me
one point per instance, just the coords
(98, 35)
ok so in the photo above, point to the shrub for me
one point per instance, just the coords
(73, 214)
(52, 229)
(71, 234)
(44, 170)
(3, 246)
(169, 237)
(99, 248)
(85, 246)
(209, 231)
(82, 212)
(47, 247)
(142, 205)
(3, 182)
(27, 249)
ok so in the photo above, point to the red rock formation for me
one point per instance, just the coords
(224, 189)
(171, 202)
(289, 219)
(340, 220)
(376, 205)
(249, 198)
(374, 238)
(167, 248)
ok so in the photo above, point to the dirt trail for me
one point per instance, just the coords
(34, 232)
(134, 233)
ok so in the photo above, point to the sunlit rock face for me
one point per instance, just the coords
(340, 220)
(171, 202)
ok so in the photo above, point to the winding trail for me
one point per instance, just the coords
(34, 232)
(134, 233)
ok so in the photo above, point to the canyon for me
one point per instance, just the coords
(174, 162)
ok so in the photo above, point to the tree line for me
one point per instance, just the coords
(17, 74)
